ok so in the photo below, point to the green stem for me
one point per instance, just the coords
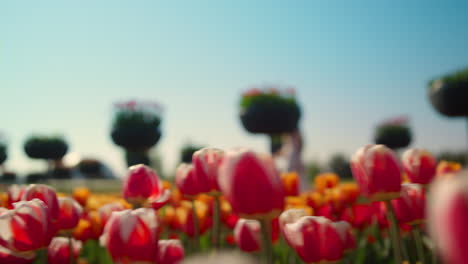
(216, 222)
(266, 236)
(394, 233)
(70, 247)
(195, 225)
(419, 244)
(42, 256)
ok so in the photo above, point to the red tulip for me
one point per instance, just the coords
(59, 250)
(410, 207)
(419, 165)
(447, 217)
(45, 194)
(132, 235)
(315, 238)
(186, 181)
(344, 229)
(379, 213)
(11, 257)
(69, 214)
(359, 216)
(15, 193)
(106, 211)
(142, 185)
(27, 227)
(170, 251)
(251, 184)
(247, 235)
(377, 172)
(206, 163)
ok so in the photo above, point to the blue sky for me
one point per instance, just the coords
(64, 63)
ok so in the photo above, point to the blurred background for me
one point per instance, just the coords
(353, 64)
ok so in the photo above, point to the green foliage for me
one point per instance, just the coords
(46, 147)
(339, 164)
(267, 98)
(460, 157)
(187, 152)
(454, 78)
(129, 118)
(313, 169)
(136, 130)
(3, 153)
(393, 136)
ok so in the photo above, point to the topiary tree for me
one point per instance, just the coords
(339, 164)
(136, 128)
(3, 155)
(269, 111)
(394, 133)
(187, 152)
(449, 94)
(49, 148)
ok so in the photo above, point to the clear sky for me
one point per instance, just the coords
(353, 63)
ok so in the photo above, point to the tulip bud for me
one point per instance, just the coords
(315, 238)
(170, 251)
(45, 194)
(419, 165)
(186, 181)
(11, 257)
(81, 195)
(15, 193)
(27, 227)
(106, 211)
(132, 235)
(344, 230)
(59, 250)
(410, 207)
(69, 213)
(140, 184)
(376, 170)
(206, 162)
(447, 217)
(290, 183)
(247, 235)
(251, 184)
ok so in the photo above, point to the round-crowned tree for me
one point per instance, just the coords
(49, 148)
(394, 133)
(449, 94)
(136, 128)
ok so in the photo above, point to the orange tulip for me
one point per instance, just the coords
(325, 181)
(81, 195)
(447, 167)
(290, 183)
